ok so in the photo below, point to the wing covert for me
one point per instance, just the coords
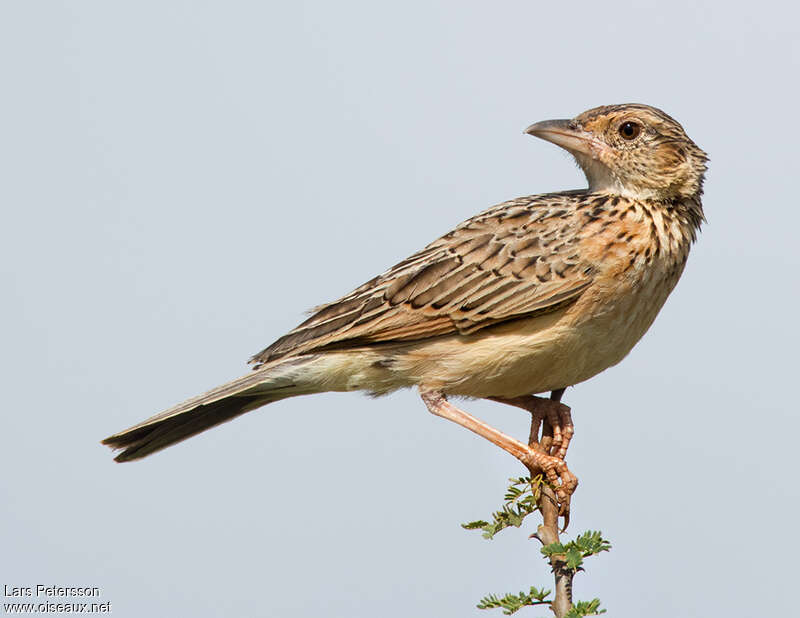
(515, 259)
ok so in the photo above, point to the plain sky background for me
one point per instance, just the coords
(179, 181)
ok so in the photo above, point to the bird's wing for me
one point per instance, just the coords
(515, 259)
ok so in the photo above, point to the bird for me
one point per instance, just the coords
(533, 295)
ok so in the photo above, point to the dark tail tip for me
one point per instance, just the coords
(152, 436)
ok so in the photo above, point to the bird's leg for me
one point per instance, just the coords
(554, 468)
(553, 411)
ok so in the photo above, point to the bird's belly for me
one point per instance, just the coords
(542, 353)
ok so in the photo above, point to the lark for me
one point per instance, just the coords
(532, 295)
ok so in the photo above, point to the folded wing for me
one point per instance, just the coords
(516, 259)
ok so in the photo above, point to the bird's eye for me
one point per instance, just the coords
(629, 130)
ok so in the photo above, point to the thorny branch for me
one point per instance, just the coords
(526, 495)
(547, 532)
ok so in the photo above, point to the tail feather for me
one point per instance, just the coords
(205, 411)
(144, 441)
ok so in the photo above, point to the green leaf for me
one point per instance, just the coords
(574, 552)
(553, 548)
(473, 525)
(574, 558)
(520, 501)
(511, 603)
(591, 543)
(585, 608)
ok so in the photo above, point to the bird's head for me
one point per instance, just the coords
(632, 150)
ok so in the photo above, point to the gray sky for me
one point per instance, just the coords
(181, 180)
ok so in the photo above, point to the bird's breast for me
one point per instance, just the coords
(637, 263)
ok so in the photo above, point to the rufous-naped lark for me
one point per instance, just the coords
(532, 295)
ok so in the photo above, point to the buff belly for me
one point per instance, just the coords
(520, 357)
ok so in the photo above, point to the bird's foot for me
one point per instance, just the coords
(555, 470)
(557, 415)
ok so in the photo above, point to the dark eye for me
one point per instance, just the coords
(629, 130)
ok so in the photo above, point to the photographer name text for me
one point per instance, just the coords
(50, 591)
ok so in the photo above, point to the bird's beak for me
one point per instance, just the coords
(568, 135)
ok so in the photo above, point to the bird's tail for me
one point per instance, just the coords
(270, 383)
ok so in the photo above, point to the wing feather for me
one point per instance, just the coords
(513, 260)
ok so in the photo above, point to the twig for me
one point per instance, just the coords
(547, 532)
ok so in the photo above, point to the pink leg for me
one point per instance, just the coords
(556, 413)
(555, 470)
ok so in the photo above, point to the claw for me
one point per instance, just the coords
(560, 478)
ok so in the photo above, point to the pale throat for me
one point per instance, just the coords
(602, 180)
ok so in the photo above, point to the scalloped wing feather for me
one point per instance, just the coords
(513, 260)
